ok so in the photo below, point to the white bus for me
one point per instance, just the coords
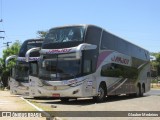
(87, 61)
(19, 77)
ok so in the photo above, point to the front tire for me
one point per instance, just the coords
(101, 94)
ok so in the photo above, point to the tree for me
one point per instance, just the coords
(41, 34)
(155, 64)
(5, 71)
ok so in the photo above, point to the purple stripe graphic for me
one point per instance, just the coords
(102, 56)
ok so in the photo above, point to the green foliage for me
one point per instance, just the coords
(155, 64)
(12, 50)
(41, 34)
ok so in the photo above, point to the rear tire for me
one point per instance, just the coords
(101, 94)
(138, 91)
(142, 91)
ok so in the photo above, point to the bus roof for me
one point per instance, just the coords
(27, 42)
(86, 25)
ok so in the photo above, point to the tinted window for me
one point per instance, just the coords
(116, 70)
(65, 34)
(28, 44)
(112, 42)
(33, 69)
(89, 59)
(108, 41)
(93, 35)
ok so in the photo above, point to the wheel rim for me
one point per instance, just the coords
(100, 93)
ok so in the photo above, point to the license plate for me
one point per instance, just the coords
(56, 95)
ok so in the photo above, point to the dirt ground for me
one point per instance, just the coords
(10, 102)
(150, 102)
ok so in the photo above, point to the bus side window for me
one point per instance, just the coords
(12, 72)
(87, 66)
(33, 69)
(111, 70)
(117, 70)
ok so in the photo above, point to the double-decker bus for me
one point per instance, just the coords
(19, 78)
(87, 61)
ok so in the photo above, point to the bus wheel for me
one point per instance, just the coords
(138, 91)
(101, 94)
(64, 99)
(142, 91)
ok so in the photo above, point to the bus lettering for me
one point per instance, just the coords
(120, 60)
(65, 50)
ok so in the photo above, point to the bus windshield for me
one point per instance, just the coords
(22, 72)
(59, 67)
(66, 34)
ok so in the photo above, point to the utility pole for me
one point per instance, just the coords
(2, 37)
(7, 44)
(1, 30)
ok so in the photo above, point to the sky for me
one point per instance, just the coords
(137, 21)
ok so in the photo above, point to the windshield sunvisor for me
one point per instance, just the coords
(8, 58)
(27, 56)
(76, 49)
